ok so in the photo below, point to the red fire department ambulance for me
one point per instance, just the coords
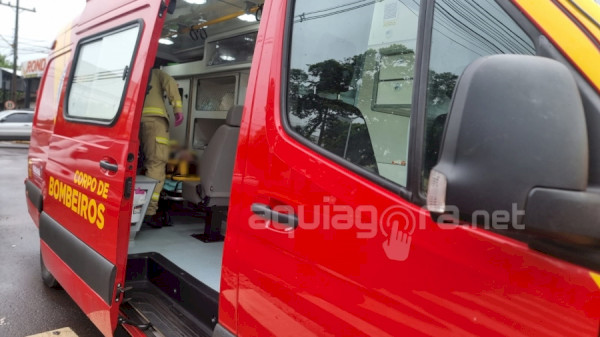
(379, 168)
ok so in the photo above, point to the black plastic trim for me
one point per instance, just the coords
(221, 331)
(94, 269)
(581, 256)
(34, 194)
(265, 212)
(109, 166)
(195, 297)
(416, 148)
(95, 121)
(568, 216)
(402, 191)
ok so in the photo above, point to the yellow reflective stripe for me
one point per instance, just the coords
(177, 104)
(162, 140)
(153, 110)
(596, 278)
(155, 196)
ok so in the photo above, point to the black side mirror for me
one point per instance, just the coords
(516, 141)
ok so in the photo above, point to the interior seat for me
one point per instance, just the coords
(211, 194)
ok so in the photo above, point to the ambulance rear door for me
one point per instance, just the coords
(93, 153)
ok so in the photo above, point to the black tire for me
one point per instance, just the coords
(47, 277)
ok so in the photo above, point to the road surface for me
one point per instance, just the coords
(26, 306)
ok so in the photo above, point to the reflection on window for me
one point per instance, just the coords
(238, 49)
(215, 94)
(350, 88)
(463, 32)
(100, 75)
(394, 85)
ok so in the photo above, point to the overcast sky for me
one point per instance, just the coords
(36, 30)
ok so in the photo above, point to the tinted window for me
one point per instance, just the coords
(19, 118)
(99, 77)
(462, 32)
(350, 80)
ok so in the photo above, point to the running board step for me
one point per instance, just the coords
(172, 301)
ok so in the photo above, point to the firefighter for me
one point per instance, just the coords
(154, 136)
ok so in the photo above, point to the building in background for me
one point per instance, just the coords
(32, 72)
(5, 82)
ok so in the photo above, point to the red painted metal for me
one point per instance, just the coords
(456, 280)
(72, 151)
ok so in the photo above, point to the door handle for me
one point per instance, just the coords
(265, 212)
(105, 164)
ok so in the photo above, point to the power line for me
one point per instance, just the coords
(13, 85)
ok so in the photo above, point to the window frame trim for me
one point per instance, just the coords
(519, 18)
(139, 23)
(405, 192)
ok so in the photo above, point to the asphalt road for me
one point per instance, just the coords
(26, 306)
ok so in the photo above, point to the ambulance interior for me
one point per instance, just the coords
(207, 46)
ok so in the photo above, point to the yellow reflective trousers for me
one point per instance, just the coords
(154, 137)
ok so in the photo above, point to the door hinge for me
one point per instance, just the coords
(161, 10)
(170, 8)
(121, 290)
(141, 326)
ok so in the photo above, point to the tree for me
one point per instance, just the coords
(4, 62)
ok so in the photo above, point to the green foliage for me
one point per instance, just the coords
(4, 62)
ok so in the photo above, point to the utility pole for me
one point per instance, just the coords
(13, 84)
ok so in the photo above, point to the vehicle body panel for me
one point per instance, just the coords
(86, 199)
(326, 281)
(329, 276)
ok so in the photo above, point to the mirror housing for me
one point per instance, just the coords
(515, 142)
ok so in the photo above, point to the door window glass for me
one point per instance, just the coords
(19, 118)
(100, 75)
(350, 80)
(462, 33)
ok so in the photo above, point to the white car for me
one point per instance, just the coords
(15, 124)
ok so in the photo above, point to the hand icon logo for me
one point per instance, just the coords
(397, 245)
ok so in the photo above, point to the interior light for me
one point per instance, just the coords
(227, 58)
(165, 41)
(247, 17)
(196, 2)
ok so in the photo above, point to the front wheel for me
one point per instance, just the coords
(47, 277)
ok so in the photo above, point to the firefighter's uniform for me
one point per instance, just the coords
(154, 131)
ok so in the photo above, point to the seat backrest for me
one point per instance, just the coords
(216, 166)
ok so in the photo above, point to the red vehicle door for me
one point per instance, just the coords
(328, 237)
(90, 174)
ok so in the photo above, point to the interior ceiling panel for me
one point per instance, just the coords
(177, 43)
